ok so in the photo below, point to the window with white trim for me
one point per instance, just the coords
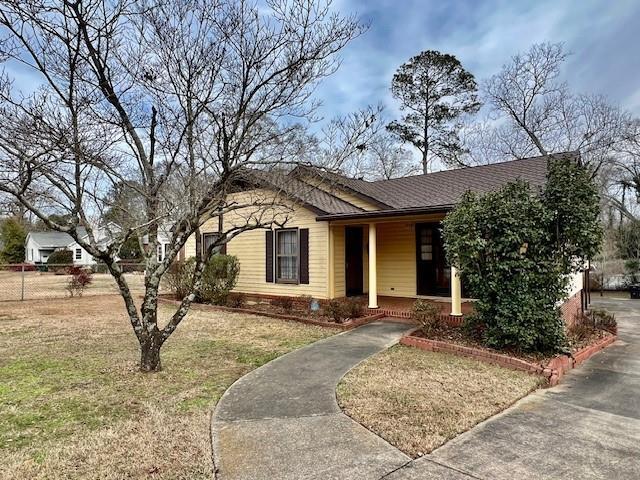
(78, 254)
(159, 253)
(287, 256)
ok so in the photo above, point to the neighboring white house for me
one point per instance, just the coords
(39, 245)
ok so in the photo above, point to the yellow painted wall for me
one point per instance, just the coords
(249, 246)
(396, 259)
(396, 256)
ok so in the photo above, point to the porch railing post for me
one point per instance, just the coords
(373, 274)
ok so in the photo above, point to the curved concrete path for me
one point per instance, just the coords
(282, 421)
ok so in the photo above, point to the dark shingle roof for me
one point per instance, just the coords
(54, 239)
(448, 186)
(442, 190)
(315, 198)
(436, 191)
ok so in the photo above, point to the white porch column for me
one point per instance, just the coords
(456, 293)
(373, 274)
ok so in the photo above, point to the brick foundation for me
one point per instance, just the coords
(571, 310)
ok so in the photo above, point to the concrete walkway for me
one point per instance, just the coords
(588, 427)
(282, 420)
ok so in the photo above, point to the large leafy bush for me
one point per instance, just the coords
(515, 249)
(63, 256)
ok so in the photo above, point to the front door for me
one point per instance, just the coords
(433, 273)
(353, 260)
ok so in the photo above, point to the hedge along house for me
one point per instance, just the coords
(348, 237)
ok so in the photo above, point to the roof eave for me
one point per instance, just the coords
(344, 186)
(386, 213)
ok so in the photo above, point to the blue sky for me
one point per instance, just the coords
(603, 37)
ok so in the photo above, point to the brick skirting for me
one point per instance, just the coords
(553, 371)
(452, 320)
(571, 309)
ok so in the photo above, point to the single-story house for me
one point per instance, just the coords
(39, 245)
(345, 237)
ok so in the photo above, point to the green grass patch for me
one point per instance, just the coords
(72, 401)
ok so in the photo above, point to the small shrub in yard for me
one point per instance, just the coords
(304, 301)
(179, 278)
(427, 314)
(335, 310)
(353, 307)
(284, 303)
(59, 259)
(604, 320)
(80, 279)
(219, 278)
(236, 300)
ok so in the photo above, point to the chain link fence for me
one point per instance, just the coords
(41, 281)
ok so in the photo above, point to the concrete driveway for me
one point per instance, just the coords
(282, 420)
(588, 427)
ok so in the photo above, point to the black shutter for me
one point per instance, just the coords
(223, 248)
(198, 244)
(304, 255)
(269, 255)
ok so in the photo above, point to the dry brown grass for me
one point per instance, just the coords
(418, 400)
(73, 405)
(40, 285)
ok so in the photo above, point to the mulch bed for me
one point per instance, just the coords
(293, 314)
(589, 337)
(455, 340)
(457, 336)
(295, 311)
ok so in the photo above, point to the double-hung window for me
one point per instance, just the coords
(287, 256)
(78, 254)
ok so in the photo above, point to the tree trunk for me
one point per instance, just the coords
(425, 162)
(150, 353)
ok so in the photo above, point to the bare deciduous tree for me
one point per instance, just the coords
(175, 99)
(373, 153)
(386, 159)
(543, 116)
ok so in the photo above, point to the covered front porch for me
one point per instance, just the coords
(393, 261)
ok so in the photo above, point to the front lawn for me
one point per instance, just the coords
(73, 405)
(418, 400)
